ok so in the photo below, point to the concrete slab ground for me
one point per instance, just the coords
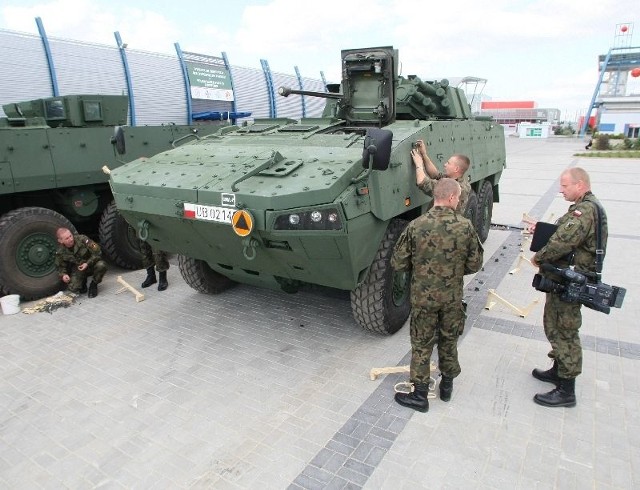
(256, 389)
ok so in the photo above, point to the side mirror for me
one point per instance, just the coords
(377, 143)
(117, 140)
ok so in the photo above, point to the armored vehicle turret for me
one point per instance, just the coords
(51, 154)
(283, 203)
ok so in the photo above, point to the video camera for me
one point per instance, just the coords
(575, 288)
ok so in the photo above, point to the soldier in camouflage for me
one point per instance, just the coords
(157, 258)
(439, 248)
(427, 173)
(77, 258)
(572, 244)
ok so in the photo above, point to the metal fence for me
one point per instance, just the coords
(38, 66)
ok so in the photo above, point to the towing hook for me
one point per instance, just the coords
(143, 230)
(249, 248)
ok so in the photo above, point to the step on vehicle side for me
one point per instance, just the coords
(52, 151)
(283, 203)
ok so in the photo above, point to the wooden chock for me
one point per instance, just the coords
(375, 372)
(532, 221)
(521, 259)
(139, 296)
(493, 298)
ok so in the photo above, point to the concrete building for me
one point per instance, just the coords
(514, 112)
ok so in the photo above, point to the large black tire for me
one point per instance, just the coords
(485, 210)
(381, 304)
(28, 245)
(118, 239)
(472, 209)
(197, 274)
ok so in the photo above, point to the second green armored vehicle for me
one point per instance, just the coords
(283, 203)
(52, 151)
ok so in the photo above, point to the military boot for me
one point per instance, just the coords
(563, 395)
(417, 399)
(93, 290)
(446, 388)
(163, 284)
(549, 376)
(151, 277)
(83, 288)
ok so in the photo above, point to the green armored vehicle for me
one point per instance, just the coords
(283, 203)
(52, 151)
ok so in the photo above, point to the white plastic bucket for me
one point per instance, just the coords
(10, 304)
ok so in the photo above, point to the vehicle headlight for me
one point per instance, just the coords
(294, 219)
(317, 219)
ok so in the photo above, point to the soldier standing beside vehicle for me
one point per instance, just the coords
(160, 260)
(439, 248)
(427, 173)
(572, 244)
(77, 258)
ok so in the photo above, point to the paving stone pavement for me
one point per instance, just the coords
(257, 389)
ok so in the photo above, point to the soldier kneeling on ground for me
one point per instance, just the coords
(77, 258)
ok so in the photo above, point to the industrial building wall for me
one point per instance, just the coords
(619, 123)
(23, 65)
(157, 82)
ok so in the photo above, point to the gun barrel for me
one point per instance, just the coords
(287, 91)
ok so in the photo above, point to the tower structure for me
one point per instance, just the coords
(614, 68)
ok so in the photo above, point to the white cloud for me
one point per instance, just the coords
(75, 19)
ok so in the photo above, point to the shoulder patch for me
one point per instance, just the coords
(91, 245)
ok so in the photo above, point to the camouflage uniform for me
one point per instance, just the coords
(68, 259)
(439, 247)
(427, 184)
(576, 232)
(151, 257)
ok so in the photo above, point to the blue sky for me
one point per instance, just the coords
(541, 50)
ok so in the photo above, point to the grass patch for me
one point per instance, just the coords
(610, 154)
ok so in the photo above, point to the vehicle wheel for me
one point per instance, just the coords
(197, 274)
(485, 210)
(381, 304)
(118, 239)
(472, 209)
(28, 245)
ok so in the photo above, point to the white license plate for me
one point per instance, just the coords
(214, 213)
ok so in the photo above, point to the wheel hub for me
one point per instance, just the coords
(401, 287)
(34, 255)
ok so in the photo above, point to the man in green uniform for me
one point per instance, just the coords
(77, 258)
(160, 260)
(439, 248)
(572, 244)
(427, 173)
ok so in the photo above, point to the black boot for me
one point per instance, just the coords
(446, 388)
(163, 284)
(417, 399)
(83, 288)
(549, 376)
(93, 290)
(563, 395)
(151, 277)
